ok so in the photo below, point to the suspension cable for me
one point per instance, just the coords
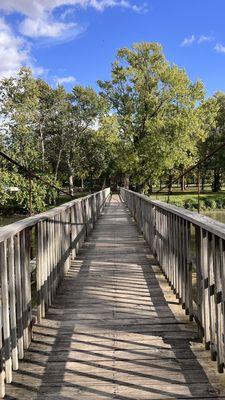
(31, 174)
(206, 158)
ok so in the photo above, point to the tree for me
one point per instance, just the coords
(57, 128)
(214, 119)
(157, 109)
(87, 107)
(19, 109)
(99, 151)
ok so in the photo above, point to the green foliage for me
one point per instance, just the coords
(146, 125)
(191, 204)
(190, 201)
(157, 109)
(50, 132)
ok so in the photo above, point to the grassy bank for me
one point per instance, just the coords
(208, 201)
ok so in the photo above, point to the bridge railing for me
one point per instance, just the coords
(35, 254)
(190, 249)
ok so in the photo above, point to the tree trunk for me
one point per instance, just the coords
(104, 183)
(216, 185)
(170, 185)
(203, 183)
(42, 149)
(91, 179)
(126, 181)
(71, 186)
(57, 165)
(82, 183)
(182, 183)
(71, 175)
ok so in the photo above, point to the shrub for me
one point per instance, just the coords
(223, 202)
(177, 202)
(213, 204)
(219, 203)
(191, 204)
(202, 205)
(210, 203)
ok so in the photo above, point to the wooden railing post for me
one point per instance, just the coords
(73, 232)
(38, 237)
(5, 311)
(218, 298)
(12, 297)
(2, 372)
(19, 307)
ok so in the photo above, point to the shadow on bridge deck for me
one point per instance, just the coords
(116, 330)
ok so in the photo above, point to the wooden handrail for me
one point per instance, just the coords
(11, 229)
(190, 249)
(53, 238)
(213, 226)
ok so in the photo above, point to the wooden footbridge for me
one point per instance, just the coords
(123, 311)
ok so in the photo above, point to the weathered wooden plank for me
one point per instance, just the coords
(2, 372)
(12, 298)
(19, 307)
(5, 311)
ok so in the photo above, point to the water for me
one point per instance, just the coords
(5, 220)
(218, 215)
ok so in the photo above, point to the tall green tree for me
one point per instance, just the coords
(157, 109)
(214, 168)
(87, 108)
(19, 110)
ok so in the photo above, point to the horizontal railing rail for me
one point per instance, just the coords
(190, 249)
(49, 240)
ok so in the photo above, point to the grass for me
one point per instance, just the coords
(189, 200)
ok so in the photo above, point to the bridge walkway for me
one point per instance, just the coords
(116, 330)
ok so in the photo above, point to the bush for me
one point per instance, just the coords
(220, 203)
(210, 203)
(177, 202)
(202, 205)
(191, 204)
(205, 203)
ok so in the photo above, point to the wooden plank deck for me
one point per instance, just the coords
(116, 331)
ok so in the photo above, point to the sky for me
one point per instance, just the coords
(75, 41)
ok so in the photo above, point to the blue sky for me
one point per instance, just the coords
(75, 41)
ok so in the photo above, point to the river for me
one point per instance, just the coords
(219, 215)
(5, 220)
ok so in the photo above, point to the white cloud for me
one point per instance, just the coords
(188, 41)
(219, 48)
(32, 8)
(36, 8)
(39, 21)
(44, 27)
(14, 51)
(204, 38)
(101, 5)
(65, 80)
(46, 20)
(140, 9)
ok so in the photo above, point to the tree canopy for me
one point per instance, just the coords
(145, 124)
